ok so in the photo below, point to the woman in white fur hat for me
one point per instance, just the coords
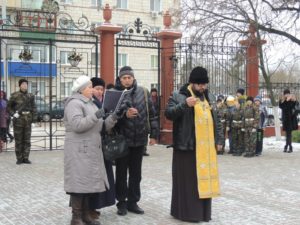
(84, 168)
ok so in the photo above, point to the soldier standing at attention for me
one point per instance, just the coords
(221, 110)
(22, 108)
(251, 119)
(236, 120)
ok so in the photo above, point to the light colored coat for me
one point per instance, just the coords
(84, 168)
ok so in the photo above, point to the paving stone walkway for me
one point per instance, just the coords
(255, 191)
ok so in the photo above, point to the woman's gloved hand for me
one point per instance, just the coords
(100, 113)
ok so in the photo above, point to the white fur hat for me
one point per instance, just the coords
(80, 83)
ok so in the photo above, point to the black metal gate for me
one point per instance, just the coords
(226, 65)
(146, 53)
(50, 50)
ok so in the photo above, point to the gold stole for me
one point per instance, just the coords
(206, 157)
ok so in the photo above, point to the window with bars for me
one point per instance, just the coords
(64, 57)
(40, 54)
(122, 60)
(66, 88)
(40, 86)
(154, 61)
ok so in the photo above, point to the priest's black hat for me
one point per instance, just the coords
(198, 76)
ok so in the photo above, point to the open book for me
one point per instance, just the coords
(113, 99)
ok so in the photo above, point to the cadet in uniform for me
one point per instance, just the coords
(251, 119)
(221, 110)
(231, 106)
(236, 120)
(22, 108)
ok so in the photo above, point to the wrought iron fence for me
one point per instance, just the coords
(226, 65)
(50, 50)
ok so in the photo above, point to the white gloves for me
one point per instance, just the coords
(253, 130)
(227, 128)
(243, 129)
(16, 115)
(33, 125)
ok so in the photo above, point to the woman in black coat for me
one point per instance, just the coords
(289, 118)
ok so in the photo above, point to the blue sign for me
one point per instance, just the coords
(19, 69)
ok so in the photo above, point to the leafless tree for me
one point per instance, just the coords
(213, 20)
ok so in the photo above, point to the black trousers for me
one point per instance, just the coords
(129, 189)
(259, 141)
(288, 140)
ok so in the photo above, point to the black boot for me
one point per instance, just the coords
(122, 208)
(290, 149)
(87, 216)
(133, 207)
(76, 203)
(285, 148)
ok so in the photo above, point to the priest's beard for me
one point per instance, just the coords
(199, 94)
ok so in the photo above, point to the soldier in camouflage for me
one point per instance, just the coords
(221, 110)
(230, 105)
(22, 108)
(251, 119)
(235, 118)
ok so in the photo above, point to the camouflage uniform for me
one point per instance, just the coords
(222, 113)
(251, 119)
(23, 103)
(235, 124)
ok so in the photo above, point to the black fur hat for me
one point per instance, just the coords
(250, 98)
(286, 91)
(241, 91)
(22, 81)
(96, 81)
(198, 76)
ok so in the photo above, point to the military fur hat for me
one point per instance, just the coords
(241, 91)
(22, 81)
(96, 81)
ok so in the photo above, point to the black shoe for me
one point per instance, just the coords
(230, 152)
(27, 161)
(122, 209)
(237, 154)
(135, 209)
(19, 161)
(220, 152)
(285, 148)
(290, 150)
(145, 154)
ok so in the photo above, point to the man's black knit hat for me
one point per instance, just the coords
(22, 81)
(96, 81)
(198, 76)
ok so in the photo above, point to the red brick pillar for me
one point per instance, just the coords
(252, 44)
(167, 38)
(107, 33)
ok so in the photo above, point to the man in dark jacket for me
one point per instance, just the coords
(137, 123)
(196, 130)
